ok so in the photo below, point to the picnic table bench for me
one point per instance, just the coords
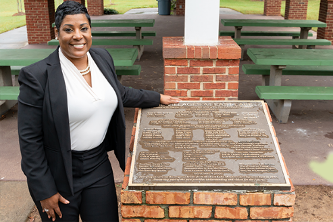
(279, 97)
(11, 58)
(133, 70)
(264, 71)
(134, 42)
(309, 43)
(121, 33)
(305, 25)
(136, 23)
(293, 34)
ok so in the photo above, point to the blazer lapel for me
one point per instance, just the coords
(105, 69)
(58, 101)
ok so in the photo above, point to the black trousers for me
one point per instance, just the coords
(94, 189)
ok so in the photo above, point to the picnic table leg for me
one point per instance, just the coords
(242, 50)
(264, 80)
(6, 80)
(139, 47)
(280, 108)
(304, 35)
(5, 76)
(294, 46)
(238, 32)
(138, 33)
(140, 51)
(275, 75)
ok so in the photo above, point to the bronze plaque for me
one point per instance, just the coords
(207, 145)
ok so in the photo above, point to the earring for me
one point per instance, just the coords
(56, 37)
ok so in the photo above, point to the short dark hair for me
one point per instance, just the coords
(69, 8)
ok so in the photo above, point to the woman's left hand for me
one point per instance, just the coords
(166, 100)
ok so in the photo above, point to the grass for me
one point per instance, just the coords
(123, 6)
(244, 6)
(257, 7)
(9, 22)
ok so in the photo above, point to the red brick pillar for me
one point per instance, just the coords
(272, 7)
(201, 72)
(326, 15)
(296, 9)
(95, 7)
(39, 19)
(180, 7)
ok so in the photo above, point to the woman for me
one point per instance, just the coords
(70, 114)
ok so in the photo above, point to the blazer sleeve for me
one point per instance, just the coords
(134, 97)
(30, 130)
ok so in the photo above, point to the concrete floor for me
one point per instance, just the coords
(308, 135)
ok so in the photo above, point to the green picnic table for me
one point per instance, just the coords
(25, 57)
(305, 25)
(136, 23)
(123, 23)
(279, 97)
(283, 57)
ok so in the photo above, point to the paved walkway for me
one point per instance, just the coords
(306, 137)
(14, 39)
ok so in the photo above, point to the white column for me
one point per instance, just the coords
(202, 22)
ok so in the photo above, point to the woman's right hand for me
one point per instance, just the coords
(51, 206)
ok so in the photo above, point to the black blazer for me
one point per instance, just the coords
(43, 124)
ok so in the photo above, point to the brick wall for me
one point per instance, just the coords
(95, 7)
(296, 9)
(180, 7)
(204, 206)
(201, 72)
(326, 15)
(272, 7)
(39, 19)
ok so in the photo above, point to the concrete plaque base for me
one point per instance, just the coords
(207, 145)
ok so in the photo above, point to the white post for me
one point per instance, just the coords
(202, 22)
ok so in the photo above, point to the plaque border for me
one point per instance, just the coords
(213, 186)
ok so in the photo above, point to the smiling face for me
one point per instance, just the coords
(74, 37)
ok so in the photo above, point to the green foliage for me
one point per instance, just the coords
(110, 11)
(173, 4)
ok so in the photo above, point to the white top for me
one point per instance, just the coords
(90, 109)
